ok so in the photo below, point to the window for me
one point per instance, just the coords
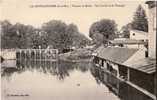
(133, 34)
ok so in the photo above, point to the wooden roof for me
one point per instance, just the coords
(115, 54)
(146, 65)
(122, 55)
(128, 41)
(140, 32)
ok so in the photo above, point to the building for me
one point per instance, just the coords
(138, 35)
(131, 65)
(152, 28)
(152, 6)
(129, 43)
(128, 64)
(145, 69)
(110, 59)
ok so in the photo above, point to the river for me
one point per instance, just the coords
(45, 80)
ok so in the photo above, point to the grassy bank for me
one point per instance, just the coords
(77, 55)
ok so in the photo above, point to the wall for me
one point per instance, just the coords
(152, 32)
(137, 46)
(144, 80)
(138, 35)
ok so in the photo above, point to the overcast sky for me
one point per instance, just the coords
(20, 11)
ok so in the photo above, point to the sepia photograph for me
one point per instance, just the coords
(78, 49)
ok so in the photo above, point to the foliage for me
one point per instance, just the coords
(79, 40)
(126, 30)
(140, 20)
(79, 54)
(106, 27)
(14, 36)
(38, 40)
(55, 32)
(62, 36)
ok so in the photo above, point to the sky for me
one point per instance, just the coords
(23, 11)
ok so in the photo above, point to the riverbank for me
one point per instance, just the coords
(79, 55)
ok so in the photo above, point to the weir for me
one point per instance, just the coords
(30, 54)
(37, 54)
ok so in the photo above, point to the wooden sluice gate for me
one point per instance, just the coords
(37, 54)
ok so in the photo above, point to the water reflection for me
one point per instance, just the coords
(64, 81)
(104, 78)
(60, 69)
(7, 72)
(57, 80)
(118, 87)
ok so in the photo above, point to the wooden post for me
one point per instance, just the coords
(118, 71)
(16, 53)
(20, 54)
(128, 74)
(102, 62)
(30, 56)
(44, 55)
(25, 54)
(34, 54)
(40, 54)
(44, 58)
(57, 54)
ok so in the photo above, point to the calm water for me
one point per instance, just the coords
(34, 80)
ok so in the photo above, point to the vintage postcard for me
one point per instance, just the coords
(78, 49)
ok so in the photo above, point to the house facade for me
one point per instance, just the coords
(130, 43)
(138, 35)
(152, 28)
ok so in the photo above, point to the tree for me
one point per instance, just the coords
(15, 36)
(5, 30)
(71, 32)
(126, 30)
(140, 20)
(63, 36)
(56, 31)
(98, 39)
(20, 31)
(38, 38)
(105, 27)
